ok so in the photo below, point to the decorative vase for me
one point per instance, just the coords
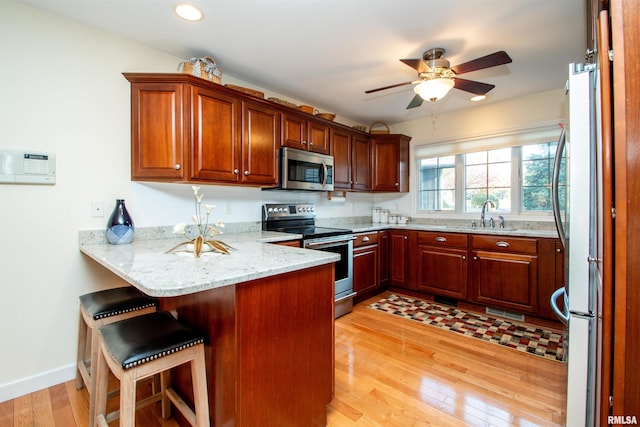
(120, 226)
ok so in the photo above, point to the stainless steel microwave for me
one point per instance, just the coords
(303, 170)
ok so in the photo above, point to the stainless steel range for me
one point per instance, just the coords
(300, 219)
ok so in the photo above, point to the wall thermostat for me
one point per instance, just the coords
(27, 167)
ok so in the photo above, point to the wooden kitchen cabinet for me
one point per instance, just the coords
(365, 264)
(352, 160)
(187, 129)
(551, 275)
(505, 272)
(304, 133)
(442, 264)
(234, 140)
(216, 153)
(159, 131)
(261, 137)
(383, 258)
(399, 259)
(390, 163)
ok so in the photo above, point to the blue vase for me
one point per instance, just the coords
(120, 226)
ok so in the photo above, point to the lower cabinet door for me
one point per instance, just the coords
(506, 280)
(442, 271)
(365, 269)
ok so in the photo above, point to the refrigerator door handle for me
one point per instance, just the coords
(554, 187)
(562, 315)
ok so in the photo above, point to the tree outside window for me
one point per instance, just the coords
(488, 177)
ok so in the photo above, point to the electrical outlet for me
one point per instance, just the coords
(227, 207)
(97, 209)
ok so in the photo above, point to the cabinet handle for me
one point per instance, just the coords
(310, 142)
(502, 244)
(397, 184)
(558, 250)
(304, 142)
(236, 171)
(365, 239)
(464, 257)
(441, 239)
(475, 258)
(246, 173)
(406, 238)
(177, 167)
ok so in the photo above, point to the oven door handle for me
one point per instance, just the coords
(352, 294)
(312, 245)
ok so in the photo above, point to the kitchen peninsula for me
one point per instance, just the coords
(267, 311)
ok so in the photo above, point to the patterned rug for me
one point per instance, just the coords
(510, 334)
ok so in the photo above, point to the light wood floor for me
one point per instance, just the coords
(389, 372)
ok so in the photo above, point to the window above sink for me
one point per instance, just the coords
(514, 170)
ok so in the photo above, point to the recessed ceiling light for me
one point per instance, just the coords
(188, 12)
(478, 98)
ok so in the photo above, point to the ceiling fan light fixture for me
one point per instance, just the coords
(188, 12)
(477, 98)
(434, 89)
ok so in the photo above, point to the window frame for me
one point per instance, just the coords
(540, 133)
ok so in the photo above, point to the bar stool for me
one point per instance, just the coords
(143, 346)
(96, 310)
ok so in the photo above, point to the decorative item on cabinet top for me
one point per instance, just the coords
(379, 131)
(252, 92)
(326, 116)
(205, 68)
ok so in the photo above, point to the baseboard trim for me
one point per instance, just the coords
(37, 382)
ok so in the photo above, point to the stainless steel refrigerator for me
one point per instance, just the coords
(578, 214)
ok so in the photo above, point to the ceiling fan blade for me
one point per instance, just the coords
(415, 102)
(477, 88)
(417, 64)
(488, 61)
(388, 87)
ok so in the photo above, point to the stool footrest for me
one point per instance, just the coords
(112, 416)
(181, 405)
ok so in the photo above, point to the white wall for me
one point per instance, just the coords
(543, 108)
(61, 90)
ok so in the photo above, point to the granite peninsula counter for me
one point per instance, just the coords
(146, 265)
(267, 311)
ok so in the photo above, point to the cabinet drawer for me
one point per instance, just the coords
(442, 239)
(505, 244)
(364, 239)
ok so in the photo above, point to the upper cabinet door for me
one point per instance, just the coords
(294, 131)
(318, 137)
(341, 152)
(391, 163)
(216, 152)
(158, 131)
(260, 143)
(361, 163)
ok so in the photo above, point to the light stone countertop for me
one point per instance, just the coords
(146, 265)
(364, 227)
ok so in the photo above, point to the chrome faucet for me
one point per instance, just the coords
(484, 207)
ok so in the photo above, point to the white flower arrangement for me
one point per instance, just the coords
(201, 232)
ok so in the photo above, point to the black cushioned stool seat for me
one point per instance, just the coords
(96, 310)
(142, 346)
(141, 339)
(112, 302)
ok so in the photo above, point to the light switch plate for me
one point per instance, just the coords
(97, 209)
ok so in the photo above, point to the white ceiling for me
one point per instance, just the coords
(328, 52)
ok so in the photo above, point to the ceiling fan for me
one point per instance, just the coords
(436, 76)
